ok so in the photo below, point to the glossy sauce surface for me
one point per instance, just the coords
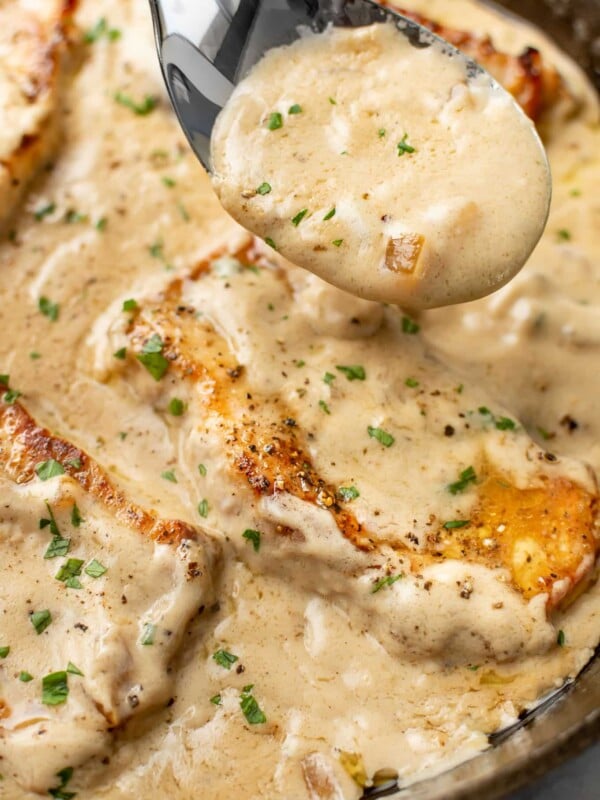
(335, 667)
(383, 168)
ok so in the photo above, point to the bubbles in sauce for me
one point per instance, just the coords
(382, 168)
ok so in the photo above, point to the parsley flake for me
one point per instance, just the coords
(466, 477)
(564, 235)
(177, 407)
(271, 243)
(142, 109)
(561, 638)
(203, 508)
(55, 689)
(73, 670)
(329, 214)
(354, 372)
(328, 378)
(299, 217)
(254, 537)
(250, 707)
(49, 469)
(148, 634)
(384, 438)
(202, 470)
(410, 326)
(169, 475)
(456, 523)
(69, 573)
(348, 493)
(295, 109)
(412, 383)
(11, 396)
(225, 659)
(49, 309)
(130, 305)
(4, 651)
(59, 792)
(152, 358)
(76, 518)
(389, 580)
(337, 242)
(264, 188)
(404, 146)
(44, 211)
(40, 620)
(121, 353)
(216, 699)
(25, 676)
(324, 407)
(95, 569)
(275, 121)
(168, 182)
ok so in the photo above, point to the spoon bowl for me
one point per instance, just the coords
(206, 48)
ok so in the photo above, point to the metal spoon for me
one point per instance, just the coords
(206, 47)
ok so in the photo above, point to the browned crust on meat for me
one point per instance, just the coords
(24, 445)
(535, 85)
(541, 535)
(41, 84)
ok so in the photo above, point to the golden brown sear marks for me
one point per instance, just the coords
(542, 535)
(34, 46)
(24, 445)
(535, 85)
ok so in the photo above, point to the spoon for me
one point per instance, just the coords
(206, 47)
(452, 224)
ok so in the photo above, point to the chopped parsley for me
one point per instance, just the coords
(49, 469)
(271, 243)
(202, 470)
(25, 676)
(69, 573)
(381, 133)
(412, 383)
(225, 659)
(328, 378)
(59, 792)
(169, 475)
(353, 373)
(299, 217)
(59, 546)
(544, 433)
(264, 188)
(404, 146)
(34, 355)
(324, 407)
(505, 424)
(152, 357)
(148, 634)
(101, 224)
(456, 523)
(11, 396)
(295, 109)
(72, 217)
(561, 638)
(383, 437)
(95, 569)
(101, 30)
(74, 462)
(168, 182)
(275, 121)
(55, 689)
(466, 477)
(203, 508)
(176, 407)
(76, 518)
(564, 235)
(250, 707)
(121, 353)
(329, 214)
(337, 242)
(216, 699)
(142, 109)
(4, 651)
(254, 537)
(333, 101)
(40, 620)
(49, 309)
(389, 580)
(348, 493)
(410, 326)
(44, 211)
(73, 670)
(130, 305)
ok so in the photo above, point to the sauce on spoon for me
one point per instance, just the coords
(383, 167)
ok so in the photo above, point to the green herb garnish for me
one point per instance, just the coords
(466, 477)
(49, 309)
(176, 407)
(348, 493)
(40, 620)
(55, 689)
(152, 358)
(202, 470)
(25, 676)
(254, 537)
(49, 469)
(203, 508)
(142, 108)
(130, 305)
(225, 659)
(148, 634)
(73, 670)
(410, 326)
(404, 147)
(69, 573)
(295, 109)
(353, 373)
(324, 407)
(264, 188)
(44, 211)
(95, 569)
(169, 475)
(121, 353)
(384, 438)
(299, 217)
(250, 707)
(275, 121)
(456, 523)
(389, 580)
(329, 214)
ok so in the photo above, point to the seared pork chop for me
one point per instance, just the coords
(96, 596)
(34, 40)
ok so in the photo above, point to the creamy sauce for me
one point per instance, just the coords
(382, 167)
(331, 670)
